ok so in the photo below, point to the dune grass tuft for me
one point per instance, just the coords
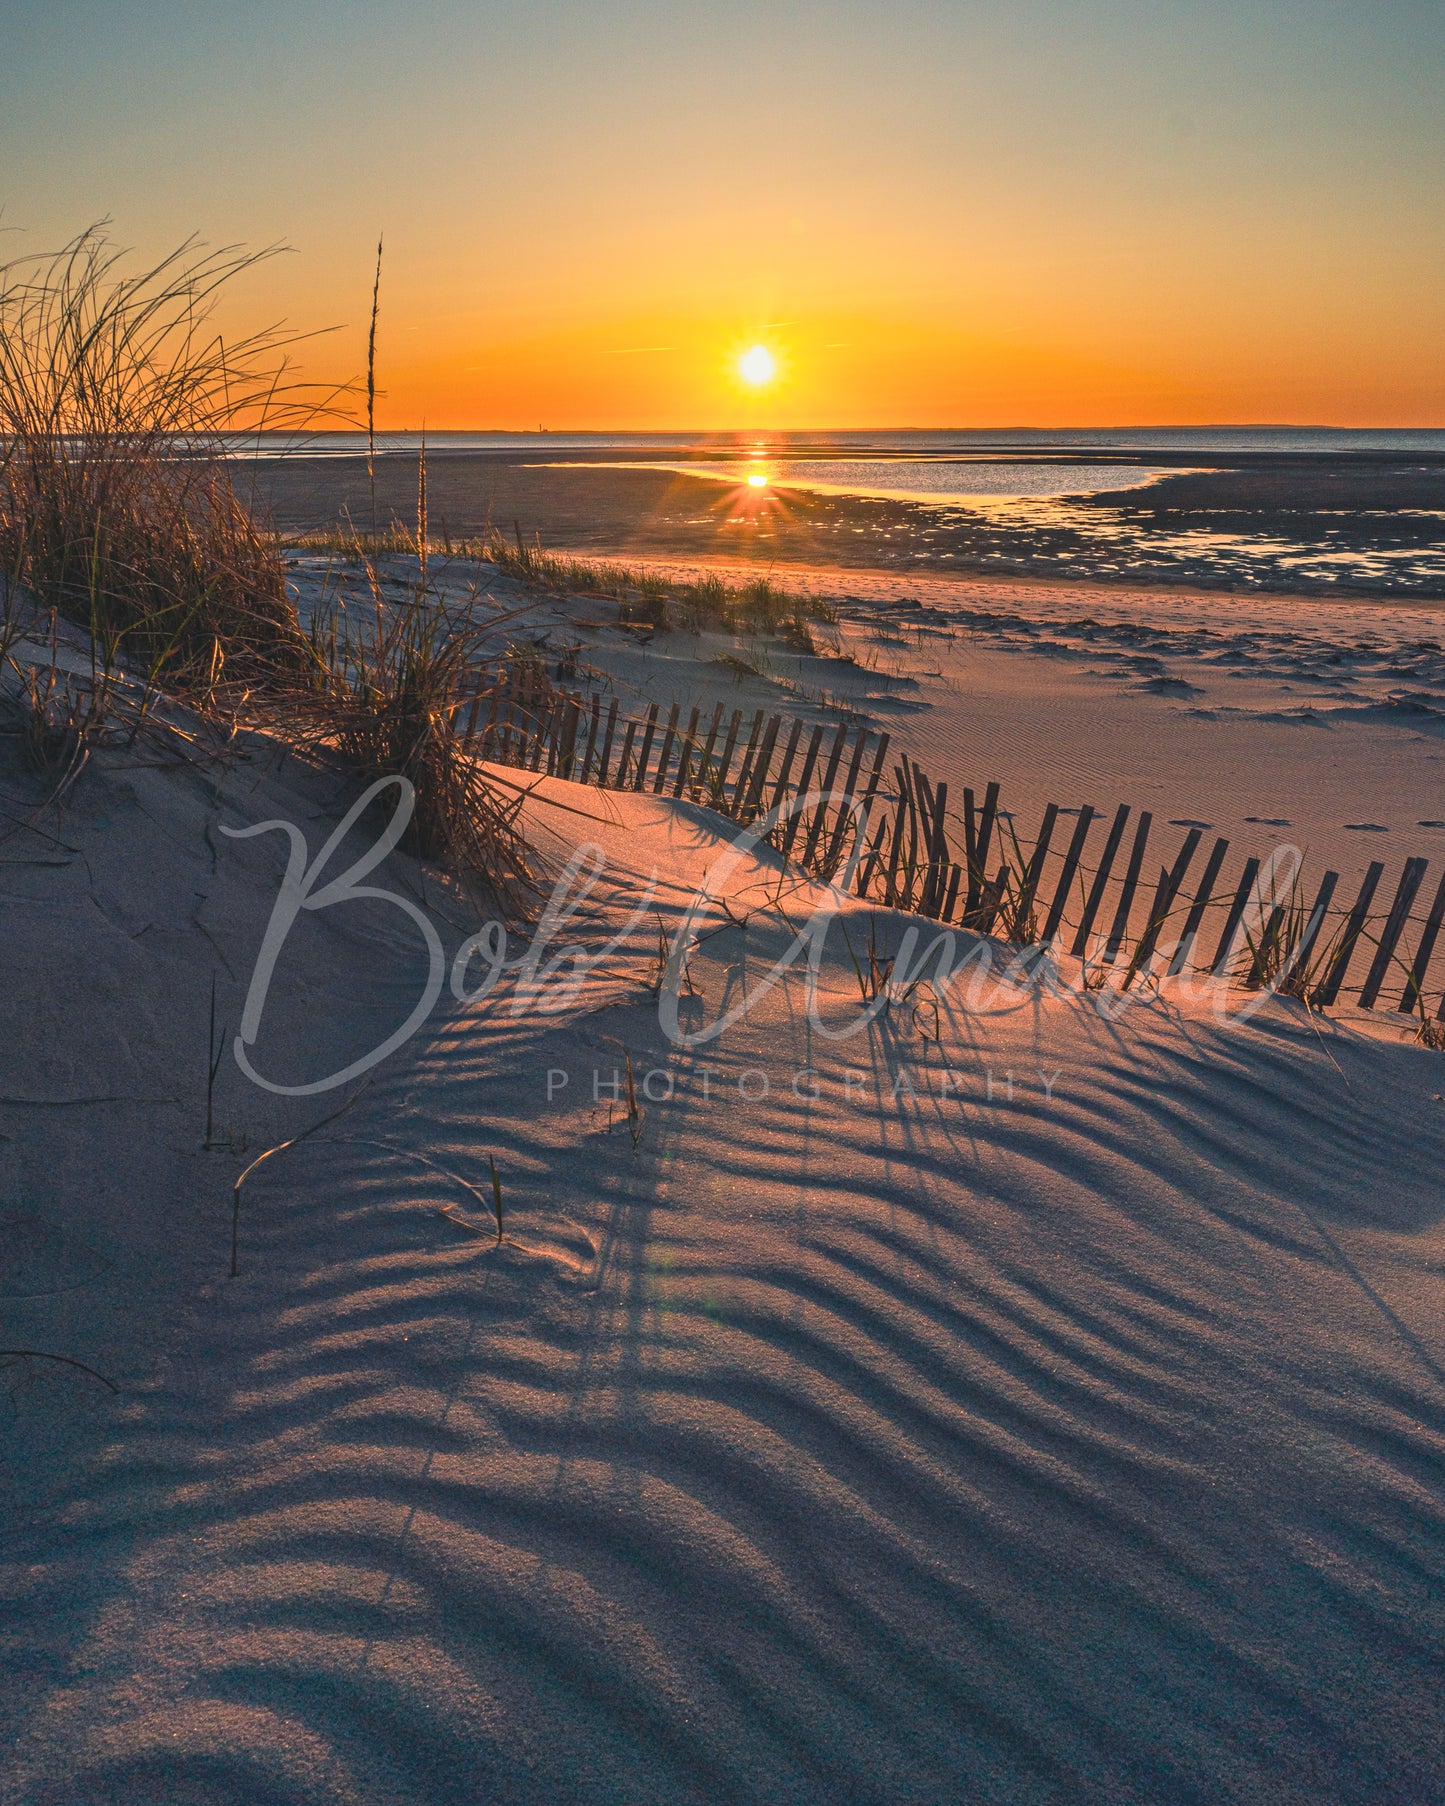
(117, 505)
(648, 597)
(120, 400)
(384, 696)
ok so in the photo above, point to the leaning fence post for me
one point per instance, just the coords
(865, 816)
(1203, 897)
(835, 752)
(1066, 876)
(1334, 977)
(1101, 878)
(758, 777)
(662, 758)
(1415, 983)
(1170, 884)
(809, 762)
(1029, 882)
(780, 787)
(1224, 953)
(1410, 881)
(685, 752)
(1126, 896)
(829, 862)
(717, 780)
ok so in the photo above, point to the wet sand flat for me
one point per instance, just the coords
(1358, 526)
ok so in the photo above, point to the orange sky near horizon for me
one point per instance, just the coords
(936, 213)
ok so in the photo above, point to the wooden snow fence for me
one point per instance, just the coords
(1093, 885)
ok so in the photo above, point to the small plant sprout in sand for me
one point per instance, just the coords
(662, 960)
(496, 1195)
(874, 981)
(215, 1051)
(22, 1358)
(280, 1148)
(636, 1115)
(230, 1141)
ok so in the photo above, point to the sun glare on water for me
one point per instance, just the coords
(757, 366)
(756, 480)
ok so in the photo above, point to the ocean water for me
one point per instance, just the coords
(936, 480)
(975, 441)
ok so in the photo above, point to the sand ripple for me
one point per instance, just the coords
(1077, 1451)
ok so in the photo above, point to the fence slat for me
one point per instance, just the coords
(649, 733)
(551, 741)
(870, 864)
(992, 901)
(950, 902)
(1203, 897)
(1411, 879)
(1171, 882)
(1066, 876)
(880, 752)
(1033, 871)
(607, 741)
(759, 775)
(704, 765)
(937, 855)
(910, 807)
(590, 757)
(789, 751)
(890, 883)
(569, 735)
(1120, 926)
(685, 752)
(624, 758)
(749, 753)
(931, 828)
(976, 847)
(1415, 983)
(1300, 958)
(1101, 878)
(1334, 977)
(835, 753)
(477, 695)
(805, 783)
(829, 862)
(1264, 947)
(485, 743)
(1224, 953)
(668, 736)
(718, 779)
(541, 738)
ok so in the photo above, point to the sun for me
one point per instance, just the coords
(757, 366)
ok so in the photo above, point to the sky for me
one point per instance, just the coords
(931, 212)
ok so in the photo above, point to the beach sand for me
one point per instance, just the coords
(1272, 720)
(1000, 1403)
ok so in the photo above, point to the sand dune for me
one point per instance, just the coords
(1272, 720)
(1080, 1443)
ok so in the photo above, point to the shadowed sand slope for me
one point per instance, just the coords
(1078, 1443)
